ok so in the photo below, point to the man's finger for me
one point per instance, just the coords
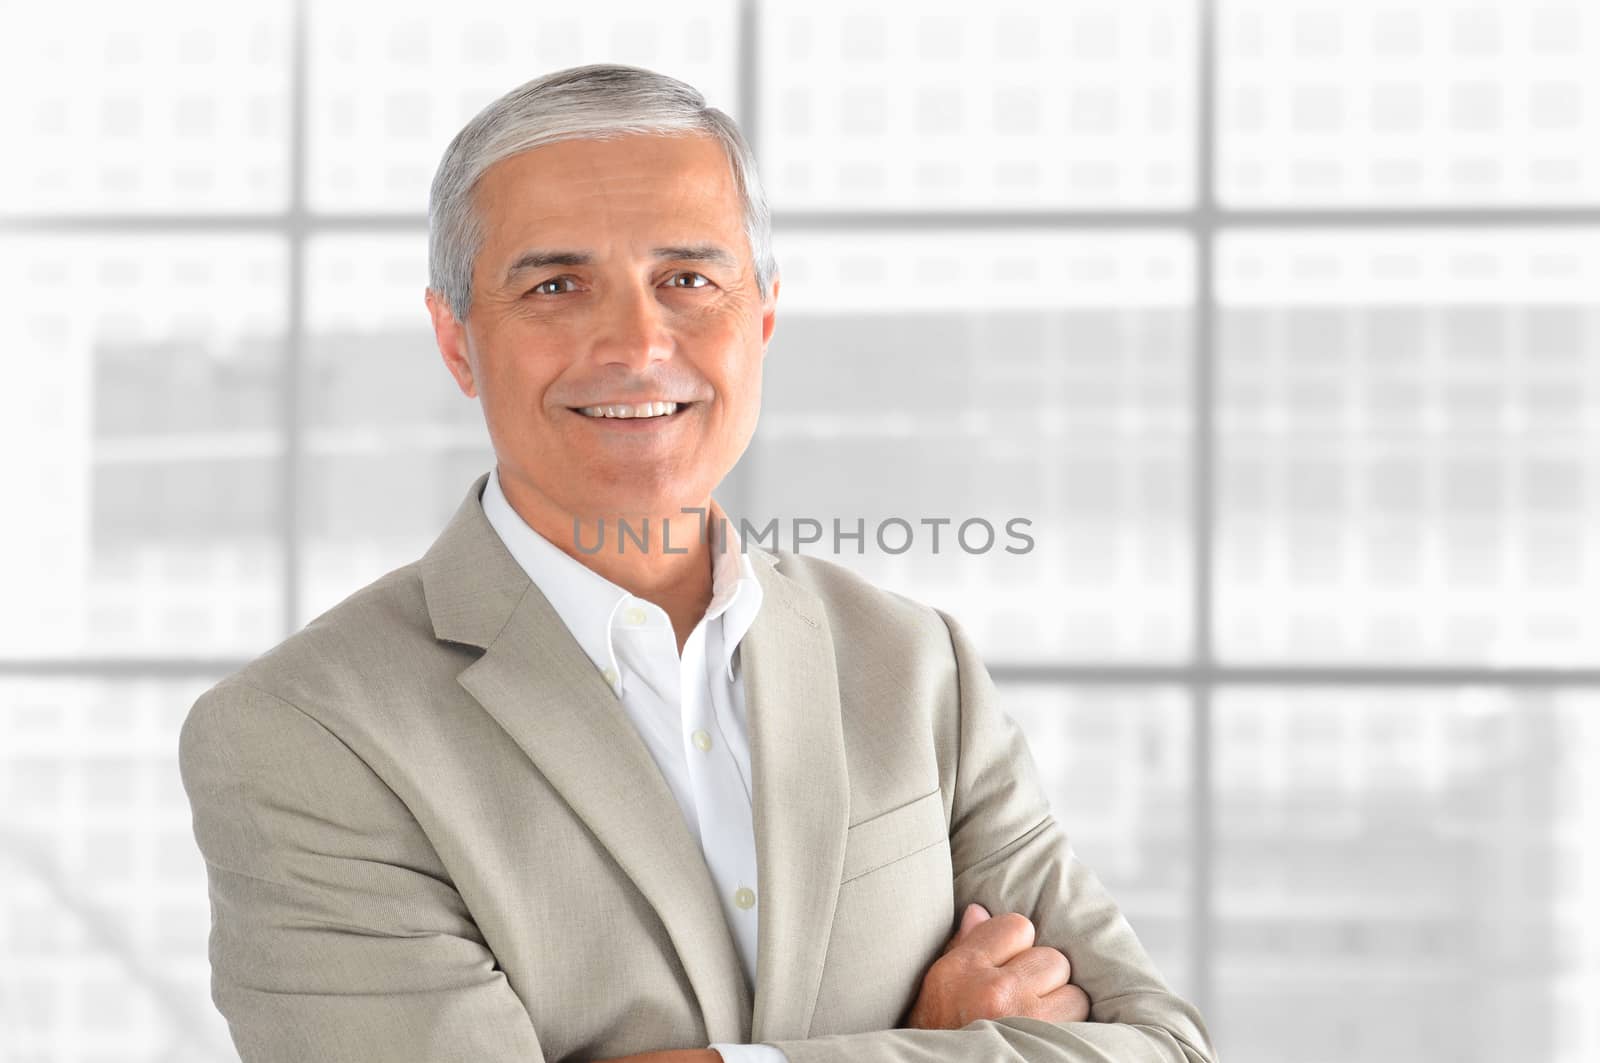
(1067, 1004)
(999, 938)
(1041, 969)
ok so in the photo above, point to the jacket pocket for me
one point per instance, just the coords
(893, 835)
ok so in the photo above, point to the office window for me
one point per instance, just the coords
(122, 108)
(947, 106)
(1397, 845)
(143, 388)
(103, 910)
(1398, 103)
(1408, 438)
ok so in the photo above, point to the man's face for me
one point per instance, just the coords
(613, 272)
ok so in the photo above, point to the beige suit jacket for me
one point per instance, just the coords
(432, 834)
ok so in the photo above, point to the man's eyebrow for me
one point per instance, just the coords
(531, 260)
(539, 259)
(699, 253)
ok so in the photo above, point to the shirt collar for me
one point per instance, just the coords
(587, 602)
(735, 591)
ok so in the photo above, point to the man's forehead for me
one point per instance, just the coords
(568, 203)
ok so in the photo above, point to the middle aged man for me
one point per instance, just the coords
(525, 800)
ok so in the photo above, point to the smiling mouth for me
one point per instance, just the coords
(632, 411)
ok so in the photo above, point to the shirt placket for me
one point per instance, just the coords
(721, 802)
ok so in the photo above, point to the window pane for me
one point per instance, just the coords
(392, 83)
(998, 105)
(121, 108)
(1399, 102)
(989, 376)
(1115, 762)
(1407, 874)
(142, 401)
(103, 908)
(391, 443)
(1411, 457)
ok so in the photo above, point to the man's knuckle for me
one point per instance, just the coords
(1017, 925)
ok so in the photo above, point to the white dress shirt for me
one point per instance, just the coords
(689, 711)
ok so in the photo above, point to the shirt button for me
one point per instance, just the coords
(633, 615)
(745, 897)
(610, 675)
(702, 741)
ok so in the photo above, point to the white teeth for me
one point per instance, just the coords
(643, 409)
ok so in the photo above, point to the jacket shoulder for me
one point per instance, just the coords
(859, 610)
(337, 667)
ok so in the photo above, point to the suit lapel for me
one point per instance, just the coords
(535, 680)
(802, 803)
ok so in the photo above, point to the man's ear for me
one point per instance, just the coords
(451, 336)
(769, 314)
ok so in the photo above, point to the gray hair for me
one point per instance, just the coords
(600, 102)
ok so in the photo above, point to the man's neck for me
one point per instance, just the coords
(672, 569)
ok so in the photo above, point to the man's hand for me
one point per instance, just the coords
(991, 970)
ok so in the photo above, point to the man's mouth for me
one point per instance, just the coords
(632, 411)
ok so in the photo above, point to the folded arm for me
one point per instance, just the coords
(1010, 855)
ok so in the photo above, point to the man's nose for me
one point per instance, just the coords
(632, 329)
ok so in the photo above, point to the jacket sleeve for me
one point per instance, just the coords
(1010, 855)
(336, 933)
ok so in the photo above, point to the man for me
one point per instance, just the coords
(670, 798)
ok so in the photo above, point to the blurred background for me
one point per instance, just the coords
(1279, 320)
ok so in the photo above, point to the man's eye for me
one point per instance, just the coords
(701, 277)
(542, 286)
